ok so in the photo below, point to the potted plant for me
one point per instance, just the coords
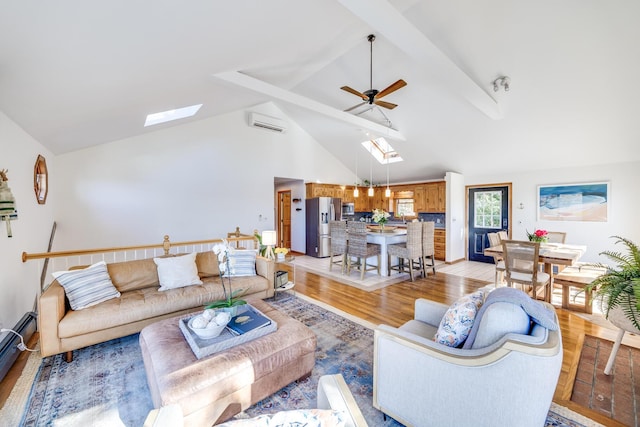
(230, 302)
(619, 287)
(281, 253)
(380, 217)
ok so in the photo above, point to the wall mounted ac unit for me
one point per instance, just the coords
(265, 122)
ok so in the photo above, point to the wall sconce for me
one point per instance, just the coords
(503, 81)
(269, 240)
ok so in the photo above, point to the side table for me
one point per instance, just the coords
(289, 259)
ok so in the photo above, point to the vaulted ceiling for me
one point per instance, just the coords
(75, 74)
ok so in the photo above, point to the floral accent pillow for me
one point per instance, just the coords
(456, 323)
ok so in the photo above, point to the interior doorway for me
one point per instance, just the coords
(489, 211)
(284, 219)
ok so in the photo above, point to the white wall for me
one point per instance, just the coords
(20, 282)
(623, 178)
(455, 218)
(199, 180)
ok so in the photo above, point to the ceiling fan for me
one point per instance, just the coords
(372, 96)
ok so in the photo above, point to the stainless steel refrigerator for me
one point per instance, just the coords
(319, 212)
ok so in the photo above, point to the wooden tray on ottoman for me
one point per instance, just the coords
(206, 347)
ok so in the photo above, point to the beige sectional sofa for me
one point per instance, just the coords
(140, 303)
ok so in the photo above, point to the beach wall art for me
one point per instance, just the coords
(574, 202)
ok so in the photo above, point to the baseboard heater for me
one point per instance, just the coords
(9, 346)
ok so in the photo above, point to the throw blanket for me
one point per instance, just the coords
(537, 311)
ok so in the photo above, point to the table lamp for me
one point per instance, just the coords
(269, 240)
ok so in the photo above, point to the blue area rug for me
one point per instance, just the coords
(106, 385)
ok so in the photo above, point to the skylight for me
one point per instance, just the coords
(167, 116)
(382, 151)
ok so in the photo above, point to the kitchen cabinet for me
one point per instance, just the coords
(419, 199)
(313, 189)
(435, 197)
(361, 203)
(440, 244)
(442, 197)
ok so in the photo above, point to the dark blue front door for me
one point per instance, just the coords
(488, 213)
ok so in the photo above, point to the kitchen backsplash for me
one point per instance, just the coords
(438, 218)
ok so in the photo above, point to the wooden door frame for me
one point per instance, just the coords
(467, 189)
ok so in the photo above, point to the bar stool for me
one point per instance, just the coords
(411, 250)
(338, 246)
(428, 246)
(360, 249)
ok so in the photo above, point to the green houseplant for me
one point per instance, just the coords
(230, 302)
(619, 287)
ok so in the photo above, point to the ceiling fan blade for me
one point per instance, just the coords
(395, 86)
(355, 92)
(385, 104)
(355, 106)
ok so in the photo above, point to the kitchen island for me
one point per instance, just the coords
(384, 239)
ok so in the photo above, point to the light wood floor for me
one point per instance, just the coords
(393, 305)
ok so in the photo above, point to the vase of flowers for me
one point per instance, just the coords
(538, 236)
(230, 302)
(280, 253)
(380, 217)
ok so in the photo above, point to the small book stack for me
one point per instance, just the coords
(247, 321)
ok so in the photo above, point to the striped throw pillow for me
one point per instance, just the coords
(87, 287)
(243, 262)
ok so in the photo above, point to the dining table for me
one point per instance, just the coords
(384, 238)
(550, 254)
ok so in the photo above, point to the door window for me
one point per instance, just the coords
(488, 209)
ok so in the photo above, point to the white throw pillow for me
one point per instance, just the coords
(243, 262)
(87, 287)
(457, 321)
(177, 272)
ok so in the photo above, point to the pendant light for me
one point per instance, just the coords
(370, 190)
(387, 192)
(356, 193)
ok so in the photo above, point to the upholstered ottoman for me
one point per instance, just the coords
(213, 389)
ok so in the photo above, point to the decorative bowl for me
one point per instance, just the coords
(211, 331)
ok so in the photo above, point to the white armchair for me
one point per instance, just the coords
(510, 381)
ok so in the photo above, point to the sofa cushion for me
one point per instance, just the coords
(131, 275)
(458, 320)
(150, 302)
(506, 319)
(177, 272)
(293, 418)
(88, 286)
(498, 320)
(207, 263)
(243, 262)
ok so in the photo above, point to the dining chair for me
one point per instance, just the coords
(411, 251)
(428, 246)
(521, 266)
(338, 245)
(556, 236)
(358, 247)
(494, 240)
